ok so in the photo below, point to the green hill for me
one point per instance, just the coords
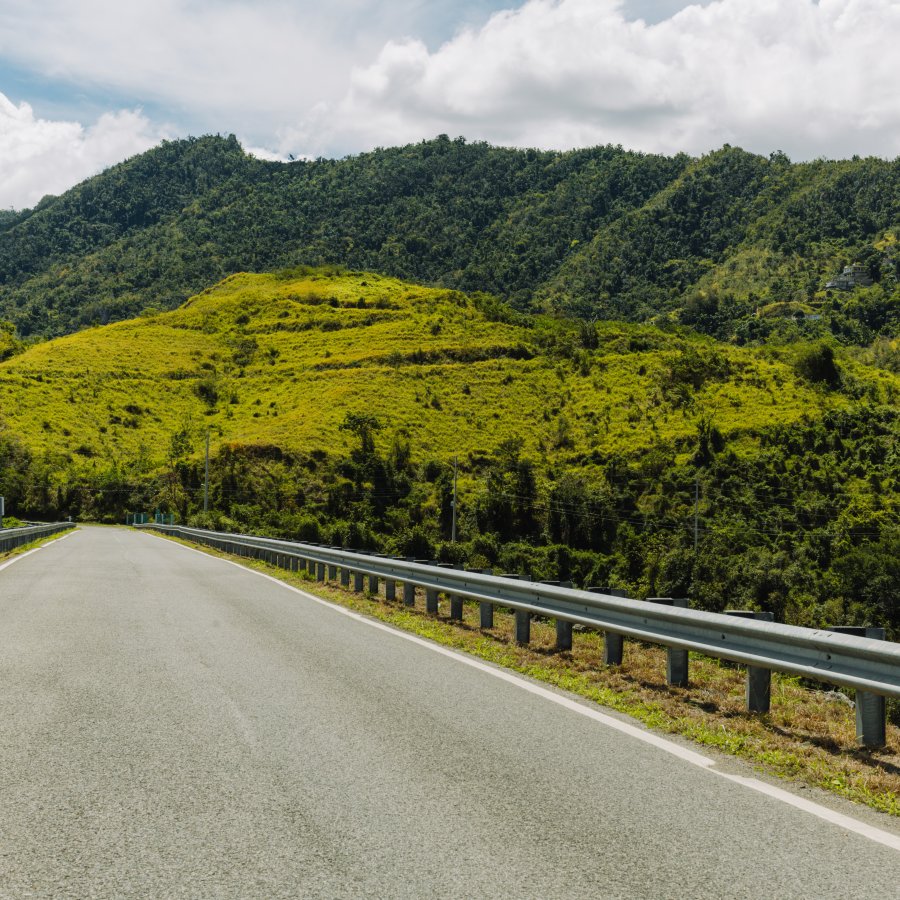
(336, 402)
(594, 233)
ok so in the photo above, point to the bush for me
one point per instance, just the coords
(817, 365)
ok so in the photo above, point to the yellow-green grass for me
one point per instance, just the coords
(424, 361)
(808, 736)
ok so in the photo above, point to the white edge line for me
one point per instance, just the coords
(815, 809)
(696, 759)
(16, 559)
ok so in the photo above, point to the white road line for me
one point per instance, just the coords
(15, 559)
(822, 812)
(696, 759)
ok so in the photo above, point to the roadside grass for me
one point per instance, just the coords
(808, 736)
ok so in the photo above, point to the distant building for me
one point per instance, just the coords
(852, 277)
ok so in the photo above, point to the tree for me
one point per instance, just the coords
(364, 427)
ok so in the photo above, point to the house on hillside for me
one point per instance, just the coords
(853, 276)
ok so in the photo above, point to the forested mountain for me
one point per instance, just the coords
(733, 244)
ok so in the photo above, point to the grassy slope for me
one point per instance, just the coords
(423, 360)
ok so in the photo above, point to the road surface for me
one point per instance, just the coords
(172, 725)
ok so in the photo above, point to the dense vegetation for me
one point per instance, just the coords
(735, 245)
(337, 402)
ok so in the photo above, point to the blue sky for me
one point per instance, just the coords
(85, 85)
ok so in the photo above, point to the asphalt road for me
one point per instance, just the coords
(172, 725)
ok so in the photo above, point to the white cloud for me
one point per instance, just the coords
(808, 78)
(39, 157)
(805, 77)
(245, 66)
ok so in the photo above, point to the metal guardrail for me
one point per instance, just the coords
(10, 538)
(871, 667)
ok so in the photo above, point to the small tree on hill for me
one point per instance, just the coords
(364, 427)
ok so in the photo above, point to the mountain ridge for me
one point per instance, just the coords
(595, 233)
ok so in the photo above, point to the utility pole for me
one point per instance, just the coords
(453, 527)
(206, 477)
(696, 512)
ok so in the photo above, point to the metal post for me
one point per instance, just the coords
(871, 721)
(676, 658)
(390, 590)
(613, 644)
(759, 680)
(432, 603)
(523, 626)
(696, 512)
(409, 593)
(523, 618)
(456, 604)
(453, 528)
(373, 584)
(320, 572)
(563, 626)
(206, 477)
(345, 577)
(563, 635)
(358, 582)
(485, 609)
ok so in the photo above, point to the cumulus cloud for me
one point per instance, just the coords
(246, 66)
(39, 157)
(809, 78)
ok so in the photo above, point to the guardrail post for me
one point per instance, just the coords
(563, 626)
(523, 617)
(332, 567)
(358, 582)
(456, 602)
(676, 658)
(485, 609)
(759, 680)
(432, 601)
(523, 626)
(409, 587)
(613, 644)
(390, 590)
(320, 571)
(871, 718)
(345, 577)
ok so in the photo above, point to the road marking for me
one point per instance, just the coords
(822, 812)
(696, 759)
(15, 559)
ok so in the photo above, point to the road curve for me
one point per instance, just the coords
(172, 725)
